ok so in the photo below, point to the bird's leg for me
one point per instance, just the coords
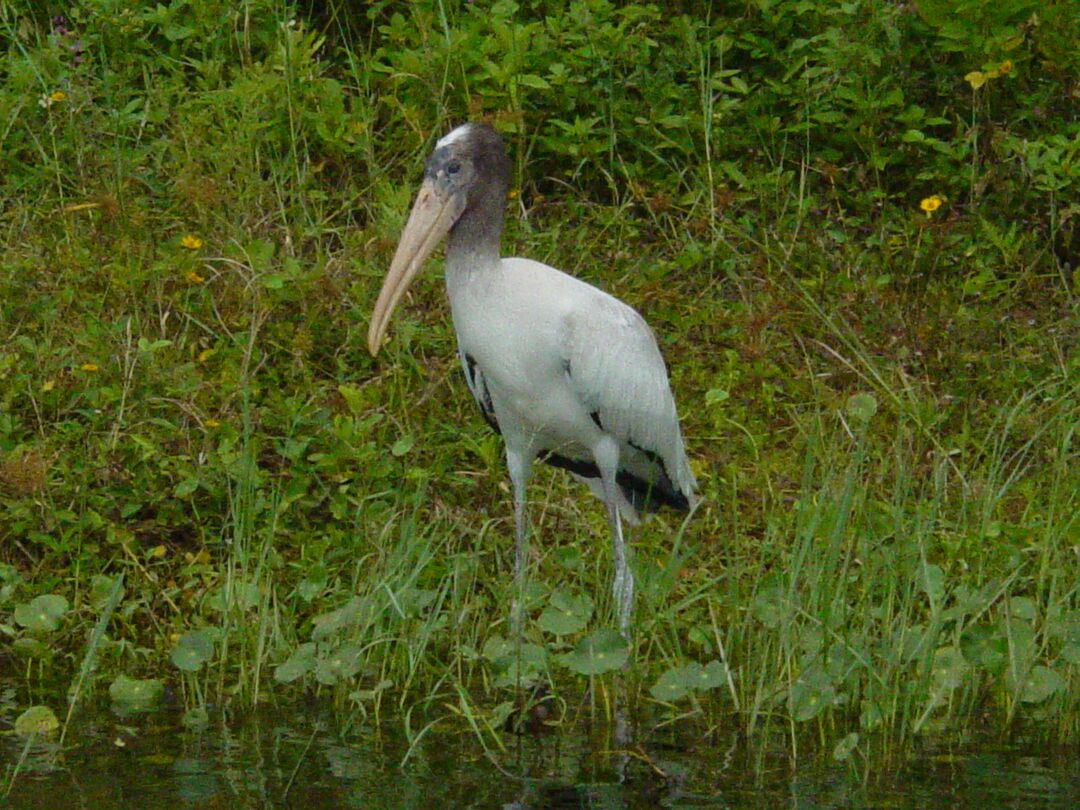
(606, 454)
(622, 587)
(520, 469)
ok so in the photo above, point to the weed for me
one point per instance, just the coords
(852, 228)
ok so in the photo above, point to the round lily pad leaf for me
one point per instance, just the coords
(985, 647)
(710, 676)
(42, 614)
(766, 606)
(1040, 684)
(402, 446)
(565, 614)
(135, 694)
(810, 695)
(523, 666)
(31, 648)
(37, 720)
(599, 652)
(934, 583)
(870, 717)
(101, 590)
(340, 664)
(1023, 607)
(192, 650)
(678, 682)
(195, 719)
(844, 748)
(300, 663)
(514, 664)
(1070, 651)
(497, 647)
(949, 670)
(862, 407)
(671, 686)
(360, 695)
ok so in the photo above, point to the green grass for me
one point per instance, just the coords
(881, 405)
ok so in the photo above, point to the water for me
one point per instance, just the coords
(294, 759)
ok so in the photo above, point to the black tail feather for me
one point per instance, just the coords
(645, 496)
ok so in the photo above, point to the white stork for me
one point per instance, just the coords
(565, 372)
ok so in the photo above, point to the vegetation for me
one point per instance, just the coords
(854, 228)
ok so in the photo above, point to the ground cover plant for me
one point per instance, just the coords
(854, 228)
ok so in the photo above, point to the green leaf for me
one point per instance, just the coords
(1040, 684)
(844, 748)
(810, 695)
(402, 446)
(135, 694)
(300, 663)
(671, 686)
(148, 346)
(985, 647)
(497, 647)
(360, 695)
(42, 614)
(534, 81)
(31, 648)
(340, 664)
(345, 616)
(186, 487)
(933, 583)
(192, 650)
(677, 682)
(712, 675)
(37, 720)
(565, 614)
(765, 607)
(870, 717)
(599, 652)
(714, 396)
(1070, 652)
(862, 407)
(195, 719)
(948, 671)
(1023, 607)
(354, 399)
(523, 666)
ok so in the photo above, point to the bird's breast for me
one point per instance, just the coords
(528, 384)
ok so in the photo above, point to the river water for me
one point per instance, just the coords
(299, 759)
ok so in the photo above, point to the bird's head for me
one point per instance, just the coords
(468, 170)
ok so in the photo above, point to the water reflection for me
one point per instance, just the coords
(296, 760)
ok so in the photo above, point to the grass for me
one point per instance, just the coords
(880, 404)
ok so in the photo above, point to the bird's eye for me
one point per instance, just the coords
(453, 167)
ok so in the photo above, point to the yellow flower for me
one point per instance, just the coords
(193, 277)
(57, 96)
(204, 355)
(931, 204)
(191, 242)
(212, 423)
(91, 367)
(977, 79)
(1005, 67)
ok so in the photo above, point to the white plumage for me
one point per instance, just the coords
(565, 372)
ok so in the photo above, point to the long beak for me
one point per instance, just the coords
(433, 214)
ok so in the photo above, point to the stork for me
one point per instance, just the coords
(565, 372)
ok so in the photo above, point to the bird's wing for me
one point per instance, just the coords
(615, 367)
(474, 378)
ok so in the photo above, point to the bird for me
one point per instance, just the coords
(566, 373)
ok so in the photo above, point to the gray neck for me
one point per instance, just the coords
(473, 243)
